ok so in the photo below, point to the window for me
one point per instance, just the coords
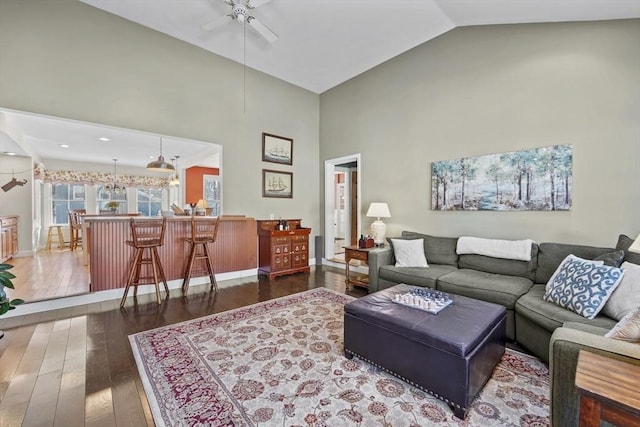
(66, 197)
(149, 201)
(212, 189)
(111, 202)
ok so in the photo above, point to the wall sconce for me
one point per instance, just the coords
(9, 185)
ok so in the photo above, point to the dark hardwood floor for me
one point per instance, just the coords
(74, 366)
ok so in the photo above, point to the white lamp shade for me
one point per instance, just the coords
(378, 210)
(635, 246)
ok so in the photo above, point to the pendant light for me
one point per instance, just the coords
(160, 165)
(175, 180)
(115, 188)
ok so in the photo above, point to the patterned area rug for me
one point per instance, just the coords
(281, 362)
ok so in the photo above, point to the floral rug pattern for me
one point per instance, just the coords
(281, 362)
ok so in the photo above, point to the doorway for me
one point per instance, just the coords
(342, 205)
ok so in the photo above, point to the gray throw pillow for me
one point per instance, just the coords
(612, 259)
(623, 243)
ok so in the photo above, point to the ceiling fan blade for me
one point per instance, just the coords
(252, 4)
(265, 32)
(217, 22)
(229, 2)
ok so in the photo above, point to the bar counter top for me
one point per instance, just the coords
(109, 257)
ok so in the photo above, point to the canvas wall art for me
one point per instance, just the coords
(539, 179)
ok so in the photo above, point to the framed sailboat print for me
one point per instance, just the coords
(277, 149)
(277, 184)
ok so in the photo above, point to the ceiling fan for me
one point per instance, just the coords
(240, 12)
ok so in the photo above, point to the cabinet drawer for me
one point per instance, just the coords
(281, 262)
(357, 255)
(281, 249)
(299, 259)
(299, 247)
(303, 238)
(280, 240)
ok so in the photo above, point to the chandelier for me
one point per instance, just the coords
(115, 188)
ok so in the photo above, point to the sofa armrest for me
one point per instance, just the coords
(377, 258)
(566, 343)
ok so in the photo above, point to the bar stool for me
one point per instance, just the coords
(75, 228)
(203, 232)
(147, 235)
(58, 235)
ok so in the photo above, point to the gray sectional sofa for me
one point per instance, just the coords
(519, 286)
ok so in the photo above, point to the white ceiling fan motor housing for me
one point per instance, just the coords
(240, 13)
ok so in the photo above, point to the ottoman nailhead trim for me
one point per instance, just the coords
(457, 405)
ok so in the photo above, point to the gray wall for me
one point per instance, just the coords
(67, 59)
(493, 89)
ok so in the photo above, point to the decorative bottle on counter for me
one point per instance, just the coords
(362, 243)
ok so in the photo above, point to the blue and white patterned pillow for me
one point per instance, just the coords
(582, 286)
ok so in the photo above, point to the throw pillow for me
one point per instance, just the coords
(614, 259)
(624, 242)
(582, 286)
(628, 329)
(626, 297)
(409, 253)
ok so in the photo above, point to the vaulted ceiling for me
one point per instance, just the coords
(322, 43)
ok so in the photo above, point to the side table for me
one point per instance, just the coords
(360, 254)
(609, 390)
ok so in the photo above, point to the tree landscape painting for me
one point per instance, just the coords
(539, 179)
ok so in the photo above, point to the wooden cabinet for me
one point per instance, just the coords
(8, 237)
(282, 251)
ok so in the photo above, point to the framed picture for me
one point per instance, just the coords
(277, 149)
(277, 184)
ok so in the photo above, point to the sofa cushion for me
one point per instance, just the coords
(551, 316)
(414, 275)
(582, 286)
(438, 250)
(409, 252)
(509, 267)
(496, 288)
(551, 255)
(624, 242)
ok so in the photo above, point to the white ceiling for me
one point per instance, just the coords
(323, 43)
(40, 137)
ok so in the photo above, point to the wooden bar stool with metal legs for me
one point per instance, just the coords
(147, 235)
(203, 233)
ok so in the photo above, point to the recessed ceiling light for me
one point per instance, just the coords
(9, 153)
(151, 157)
(104, 139)
(64, 146)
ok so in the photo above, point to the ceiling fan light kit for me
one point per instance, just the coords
(240, 13)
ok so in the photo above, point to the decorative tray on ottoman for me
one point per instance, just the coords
(425, 299)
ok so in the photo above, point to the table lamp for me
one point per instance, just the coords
(378, 228)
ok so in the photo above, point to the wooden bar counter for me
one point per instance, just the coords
(235, 248)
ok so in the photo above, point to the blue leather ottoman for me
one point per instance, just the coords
(450, 355)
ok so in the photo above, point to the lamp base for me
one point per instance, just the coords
(378, 231)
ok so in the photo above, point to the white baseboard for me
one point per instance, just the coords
(111, 294)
